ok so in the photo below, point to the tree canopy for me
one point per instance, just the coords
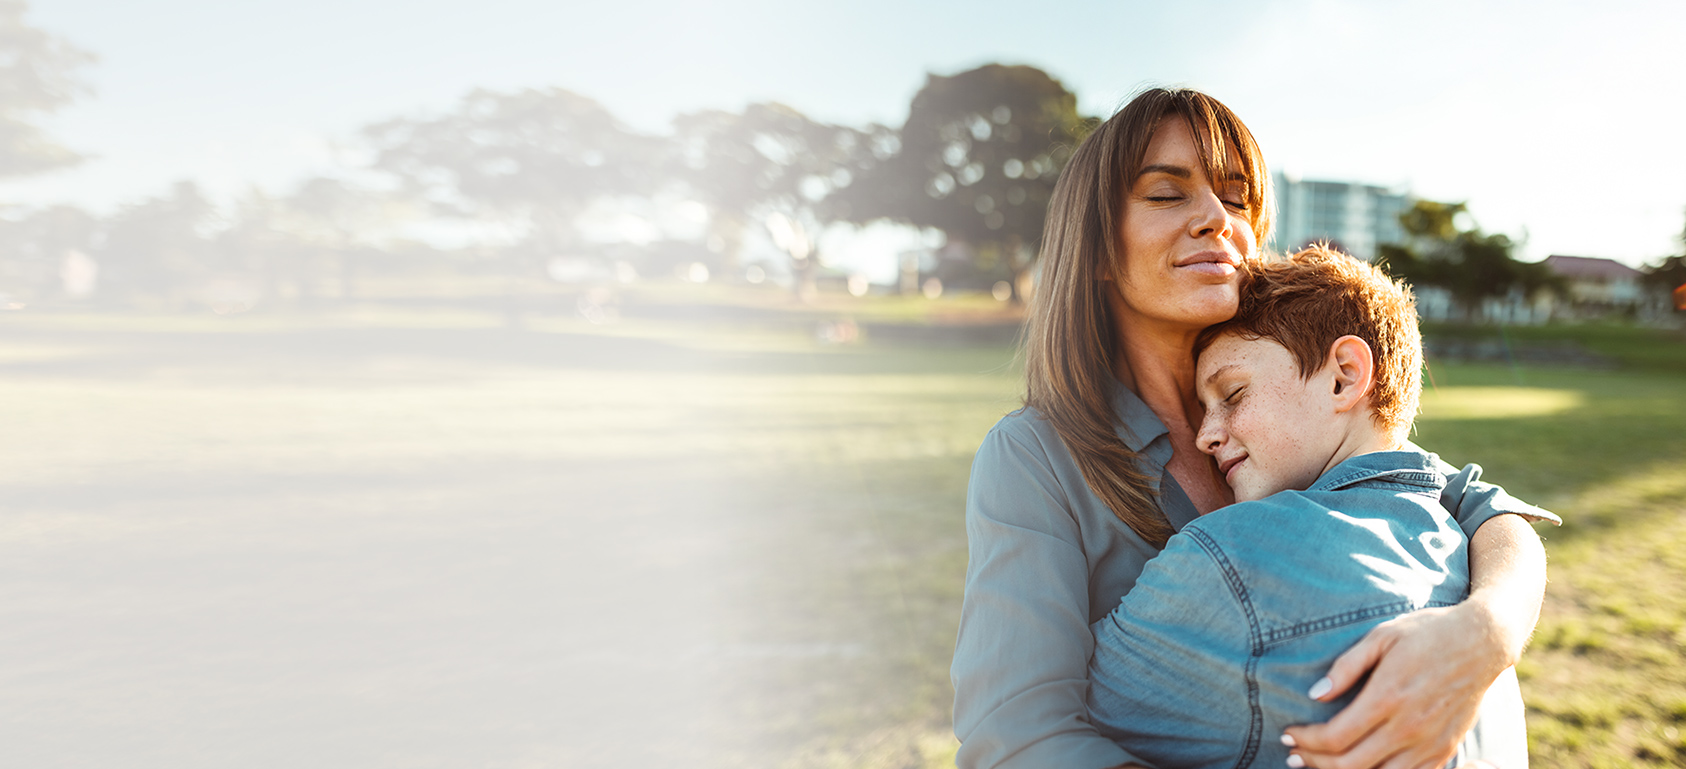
(533, 158)
(38, 75)
(978, 158)
(771, 165)
(1669, 274)
(1470, 264)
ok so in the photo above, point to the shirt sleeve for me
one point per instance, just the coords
(1474, 502)
(1022, 656)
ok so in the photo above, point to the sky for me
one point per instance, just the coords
(1556, 121)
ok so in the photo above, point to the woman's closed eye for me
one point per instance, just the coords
(1235, 196)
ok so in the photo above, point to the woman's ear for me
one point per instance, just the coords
(1354, 370)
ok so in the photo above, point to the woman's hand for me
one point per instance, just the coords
(1428, 672)
(1430, 669)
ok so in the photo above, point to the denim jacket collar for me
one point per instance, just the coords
(1407, 467)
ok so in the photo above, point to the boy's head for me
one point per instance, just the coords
(1322, 362)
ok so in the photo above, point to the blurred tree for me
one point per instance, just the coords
(771, 166)
(1470, 264)
(256, 242)
(1429, 222)
(338, 220)
(35, 249)
(37, 77)
(1669, 272)
(978, 158)
(531, 160)
(163, 245)
(303, 241)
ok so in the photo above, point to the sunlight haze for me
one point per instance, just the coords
(1547, 117)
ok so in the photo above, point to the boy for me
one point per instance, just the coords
(1309, 392)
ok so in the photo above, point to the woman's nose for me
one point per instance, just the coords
(1210, 217)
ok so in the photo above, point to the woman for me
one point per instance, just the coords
(1071, 495)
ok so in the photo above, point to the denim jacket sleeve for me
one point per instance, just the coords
(1474, 502)
(1022, 655)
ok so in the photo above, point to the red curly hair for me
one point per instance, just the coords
(1310, 299)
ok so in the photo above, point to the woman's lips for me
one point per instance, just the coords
(1220, 269)
(1219, 263)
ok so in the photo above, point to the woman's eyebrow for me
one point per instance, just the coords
(1161, 168)
(1185, 173)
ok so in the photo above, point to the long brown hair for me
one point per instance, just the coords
(1071, 339)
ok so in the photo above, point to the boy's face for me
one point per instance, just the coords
(1268, 429)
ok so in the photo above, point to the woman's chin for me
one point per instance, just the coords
(1184, 307)
(1210, 307)
(1210, 302)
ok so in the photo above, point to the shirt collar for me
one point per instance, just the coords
(1414, 468)
(1138, 426)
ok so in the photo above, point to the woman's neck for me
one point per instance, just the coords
(1157, 363)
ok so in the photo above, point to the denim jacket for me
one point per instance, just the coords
(1211, 654)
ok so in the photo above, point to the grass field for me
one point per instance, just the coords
(1604, 679)
(372, 538)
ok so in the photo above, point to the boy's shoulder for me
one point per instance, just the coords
(1260, 520)
(1383, 485)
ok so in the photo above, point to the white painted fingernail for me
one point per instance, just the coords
(1288, 739)
(1321, 688)
(1295, 761)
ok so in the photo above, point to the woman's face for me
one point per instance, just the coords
(1184, 238)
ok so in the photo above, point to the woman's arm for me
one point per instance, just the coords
(1430, 670)
(1021, 659)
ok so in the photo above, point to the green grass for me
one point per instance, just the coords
(846, 469)
(1604, 679)
(1606, 449)
(1633, 349)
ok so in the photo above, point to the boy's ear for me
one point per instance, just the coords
(1354, 370)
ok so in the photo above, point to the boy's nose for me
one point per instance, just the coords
(1209, 438)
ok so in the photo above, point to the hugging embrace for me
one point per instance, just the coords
(1205, 541)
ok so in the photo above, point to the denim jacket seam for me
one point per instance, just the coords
(1255, 640)
(1279, 636)
(1424, 478)
(1385, 485)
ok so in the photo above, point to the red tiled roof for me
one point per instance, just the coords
(1591, 267)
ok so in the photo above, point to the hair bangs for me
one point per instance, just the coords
(1227, 152)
